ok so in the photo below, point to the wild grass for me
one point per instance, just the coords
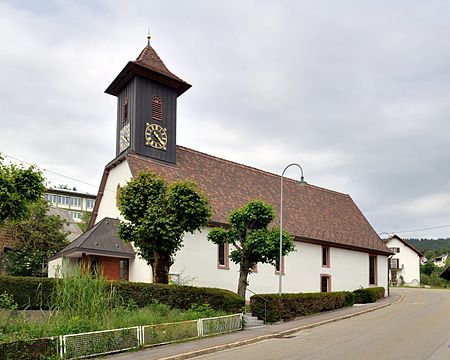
(81, 304)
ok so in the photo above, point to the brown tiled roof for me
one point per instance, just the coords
(310, 213)
(101, 239)
(151, 60)
(149, 65)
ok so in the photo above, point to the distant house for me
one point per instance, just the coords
(440, 260)
(405, 262)
(71, 225)
(75, 202)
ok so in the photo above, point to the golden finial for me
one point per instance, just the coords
(148, 37)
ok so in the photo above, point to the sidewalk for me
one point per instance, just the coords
(209, 345)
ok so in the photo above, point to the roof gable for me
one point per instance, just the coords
(404, 242)
(102, 238)
(149, 65)
(309, 212)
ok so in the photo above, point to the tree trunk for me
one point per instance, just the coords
(160, 268)
(243, 274)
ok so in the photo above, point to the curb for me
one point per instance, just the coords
(277, 335)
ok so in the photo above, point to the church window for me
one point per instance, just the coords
(157, 108)
(223, 253)
(117, 195)
(373, 270)
(125, 109)
(325, 283)
(325, 256)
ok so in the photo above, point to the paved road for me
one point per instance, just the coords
(416, 328)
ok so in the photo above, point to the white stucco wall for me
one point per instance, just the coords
(118, 175)
(409, 262)
(349, 270)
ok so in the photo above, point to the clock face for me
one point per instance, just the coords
(124, 137)
(156, 136)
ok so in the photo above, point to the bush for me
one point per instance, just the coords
(369, 295)
(28, 292)
(180, 297)
(35, 293)
(290, 306)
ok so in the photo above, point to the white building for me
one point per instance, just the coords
(405, 263)
(337, 249)
(440, 260)
(75, 202)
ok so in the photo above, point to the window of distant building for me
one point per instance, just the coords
(373, 270)
(395, 264)
(325, 256)
(157, 108)
(395, 249)
(76, 201)
(223, 253)
(90, 203)
(325, 283)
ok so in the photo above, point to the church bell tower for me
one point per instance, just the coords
(147, 95)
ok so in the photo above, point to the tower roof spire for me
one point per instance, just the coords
(149, 36)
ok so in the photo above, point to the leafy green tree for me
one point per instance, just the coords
(85, 221)
(428, 268)
(157, 216)
(37, 238)
(19, 187)
(253, 242)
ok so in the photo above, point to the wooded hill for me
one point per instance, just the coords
(436, 246)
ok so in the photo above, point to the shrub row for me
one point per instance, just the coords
(35, 293)
(369, 295)
(290, 306)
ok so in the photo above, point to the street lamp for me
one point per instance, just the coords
(302, 180)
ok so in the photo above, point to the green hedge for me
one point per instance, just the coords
(369, 295)
(290, 306)
(35, 293)
(28, 292)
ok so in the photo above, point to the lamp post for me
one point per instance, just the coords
(280, 268)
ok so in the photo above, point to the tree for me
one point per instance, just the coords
(37, 238)
(252, 240)
(85, 221)
(157, 217)
(19, 187)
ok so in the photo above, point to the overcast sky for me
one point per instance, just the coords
(357, 92)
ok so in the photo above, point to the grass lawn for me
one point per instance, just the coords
(14, 325)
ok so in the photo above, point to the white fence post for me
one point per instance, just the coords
(200, 327)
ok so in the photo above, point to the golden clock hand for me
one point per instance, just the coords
(157, 137)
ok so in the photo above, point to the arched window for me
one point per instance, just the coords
(117, 195)
(157, 108)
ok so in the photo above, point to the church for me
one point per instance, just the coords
(336, 247)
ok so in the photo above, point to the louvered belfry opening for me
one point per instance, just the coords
(125, 110)
(157, 108)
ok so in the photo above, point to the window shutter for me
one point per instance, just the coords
(157, 108)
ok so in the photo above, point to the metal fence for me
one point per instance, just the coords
(77, 346)
(99, 342)
(219, 325)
